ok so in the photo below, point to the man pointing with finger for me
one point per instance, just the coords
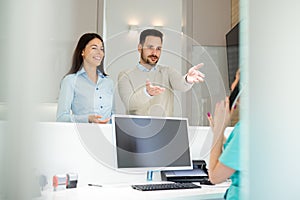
(148, 89)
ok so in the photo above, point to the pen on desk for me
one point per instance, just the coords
(96, 185)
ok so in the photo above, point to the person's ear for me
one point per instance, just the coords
(140, 48)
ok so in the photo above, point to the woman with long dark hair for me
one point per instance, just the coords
(86, 93)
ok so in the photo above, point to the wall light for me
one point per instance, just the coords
(158, 27)
(133, 27)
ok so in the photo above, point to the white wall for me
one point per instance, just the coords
(60, 26)
(121, 45)
(211, 20)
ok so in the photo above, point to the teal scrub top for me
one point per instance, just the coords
(231, 158)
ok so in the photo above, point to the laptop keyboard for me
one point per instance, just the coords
(165, 186)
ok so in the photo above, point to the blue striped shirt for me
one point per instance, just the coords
(80, 97)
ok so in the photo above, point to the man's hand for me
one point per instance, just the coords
(153, 90)
(194, 75)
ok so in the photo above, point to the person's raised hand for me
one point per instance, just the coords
(153, 90)
(194, 75)
(221, 117)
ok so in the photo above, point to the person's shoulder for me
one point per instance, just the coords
(166, 69)
(237, 126)
(236, 131)
(162, 67)
(69, 78)
(129, 71)
(108, 79)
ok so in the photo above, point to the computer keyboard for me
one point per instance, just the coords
(165, 186)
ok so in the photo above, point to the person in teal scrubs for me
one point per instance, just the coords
(230, 157)
(225, 164)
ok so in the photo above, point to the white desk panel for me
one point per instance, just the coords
(87, 149)
(124, 191)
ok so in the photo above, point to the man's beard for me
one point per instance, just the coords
(148, 59)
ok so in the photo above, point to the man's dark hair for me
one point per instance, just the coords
(150, 32)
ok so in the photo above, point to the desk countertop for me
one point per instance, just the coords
(124, 191)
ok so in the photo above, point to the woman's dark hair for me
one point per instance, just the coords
(77, 55)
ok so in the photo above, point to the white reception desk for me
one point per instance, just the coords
(87, 149)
